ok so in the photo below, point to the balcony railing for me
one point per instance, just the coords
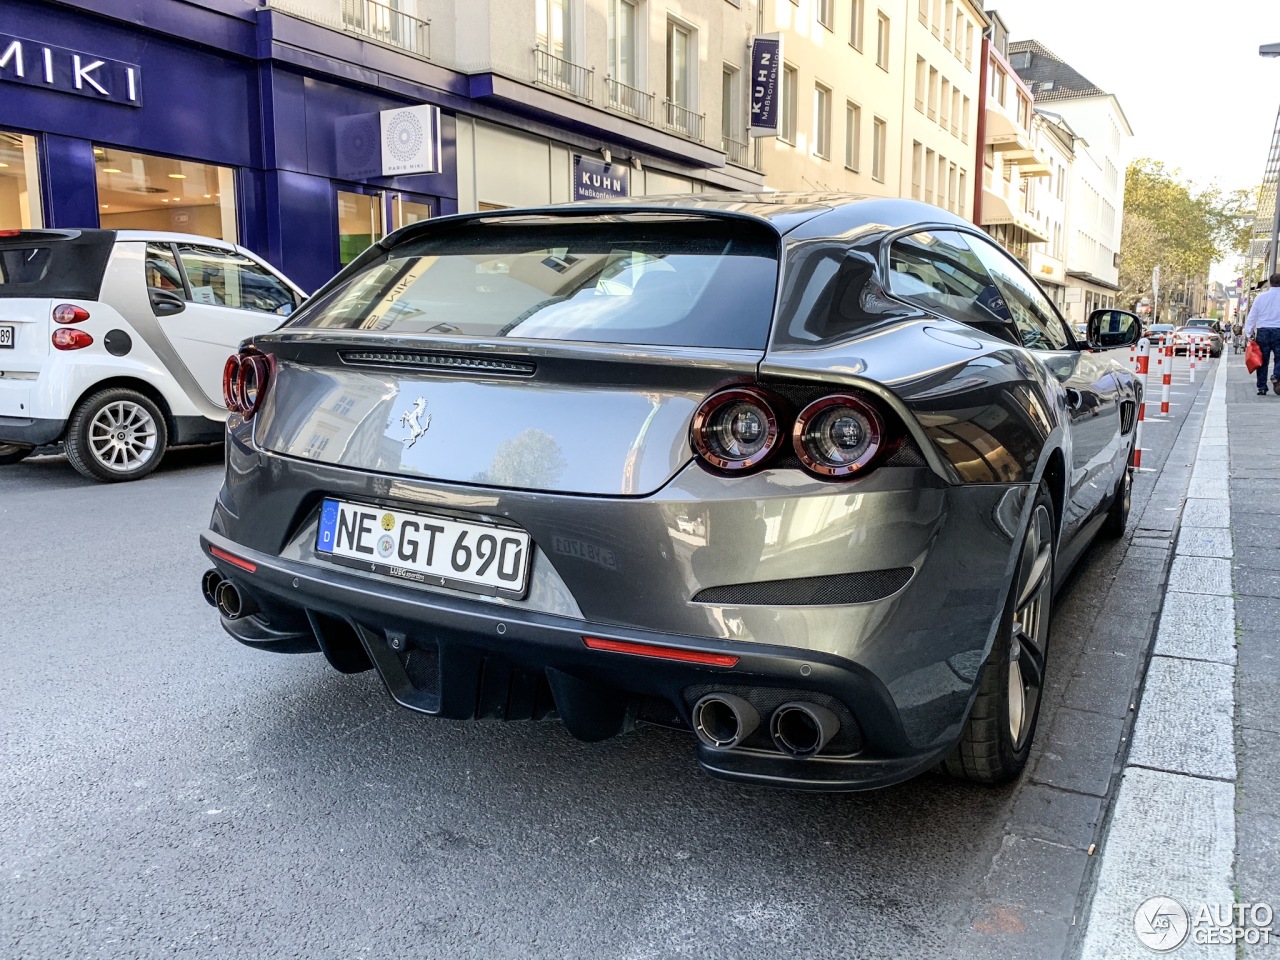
(735, 151)
(377, 21)
(563, 75)
(629, 100)
(682, 120)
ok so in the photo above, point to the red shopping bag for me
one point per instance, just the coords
(1252, 356)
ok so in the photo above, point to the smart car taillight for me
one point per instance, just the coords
(736, 429)
(245, 378)
(69, 313)
(66, 339)
(837, 435)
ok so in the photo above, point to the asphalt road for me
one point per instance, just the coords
(169, 793)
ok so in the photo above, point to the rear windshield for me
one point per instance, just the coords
(46, 264)
(24, 264)
(693, 283)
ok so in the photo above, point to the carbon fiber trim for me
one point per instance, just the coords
(840, 588)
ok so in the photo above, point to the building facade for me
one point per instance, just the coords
(278, 125)
(1097, 187)
(1011, 160)
(1050, 202)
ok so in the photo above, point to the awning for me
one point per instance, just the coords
(996, 209)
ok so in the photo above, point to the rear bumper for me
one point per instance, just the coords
(465, 659)
(30, 431)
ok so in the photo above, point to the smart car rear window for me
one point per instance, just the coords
(24, 264)
(47, 263)
(696, 282)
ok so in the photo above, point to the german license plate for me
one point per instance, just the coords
(435, 550)
(6, 337)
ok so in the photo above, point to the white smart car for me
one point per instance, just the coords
(114, 341)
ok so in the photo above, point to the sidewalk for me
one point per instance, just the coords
(1197, 817)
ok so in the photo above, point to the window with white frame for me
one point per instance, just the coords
(790, 85)
(682, 59)
(555, 27)
(879, 144)
(852, 136)
(922, 74)
(857, 19)
(917, 169)
(882, 41)
(825, 10)
(822, 121)
(624, 41)
(731, 105)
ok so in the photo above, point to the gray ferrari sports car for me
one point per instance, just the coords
(799, 474)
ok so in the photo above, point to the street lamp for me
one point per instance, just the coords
(1273, 50)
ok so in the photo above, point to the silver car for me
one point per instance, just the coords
(799, 474)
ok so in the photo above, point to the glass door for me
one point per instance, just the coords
(406, 208)
(360, 221)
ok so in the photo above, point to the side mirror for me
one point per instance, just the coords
(1109, 329)
(164, 303)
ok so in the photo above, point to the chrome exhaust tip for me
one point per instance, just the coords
(231, 603)
(801, 730)
(209, 584)
(722, 721)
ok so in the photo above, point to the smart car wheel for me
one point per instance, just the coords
(116, 434)
(997, 736)
(13, 453)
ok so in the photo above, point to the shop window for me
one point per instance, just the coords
(359, 224)
(19, 183)
(138, 191)
(224, 278)
(405, 212)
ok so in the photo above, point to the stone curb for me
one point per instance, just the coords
(1172, 832)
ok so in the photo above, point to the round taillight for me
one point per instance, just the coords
(735, 429)
(67, 339)
(70, 313)
(251, 386)
(231, 384)
(838, 435)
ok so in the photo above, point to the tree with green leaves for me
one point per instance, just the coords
(1171, 223)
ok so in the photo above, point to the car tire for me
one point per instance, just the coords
(14, 453)
(1118, 515)
(998, 734)
(116, 434)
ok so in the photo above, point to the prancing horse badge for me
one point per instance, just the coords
(414, 420)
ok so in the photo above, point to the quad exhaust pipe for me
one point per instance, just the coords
(722, 721)
(226, 597)
(801, 730)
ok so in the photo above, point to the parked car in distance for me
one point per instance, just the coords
(799, 473)
(114, 342)
(1159, 332)
(1197, 330)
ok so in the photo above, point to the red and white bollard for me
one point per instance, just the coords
(1144, 359)
(1133, 356)
(1192, 354)
(1166, 380)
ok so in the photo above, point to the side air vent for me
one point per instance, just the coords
(438, 361)
(840, 588)
(1128, 413)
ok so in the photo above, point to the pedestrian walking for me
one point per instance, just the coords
(1263, 326)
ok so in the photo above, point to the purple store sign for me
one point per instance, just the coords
(597, 180)
(766, 92)
(69, 71)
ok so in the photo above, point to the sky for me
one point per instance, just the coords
(1187, 75)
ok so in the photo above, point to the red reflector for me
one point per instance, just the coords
(9, 233)
(70, 313)
(64, 338)
(234, 560)
(661, 653)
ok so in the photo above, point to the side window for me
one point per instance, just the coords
(225, 278)
(1037, 321)
(938, 270)
(162, 271)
